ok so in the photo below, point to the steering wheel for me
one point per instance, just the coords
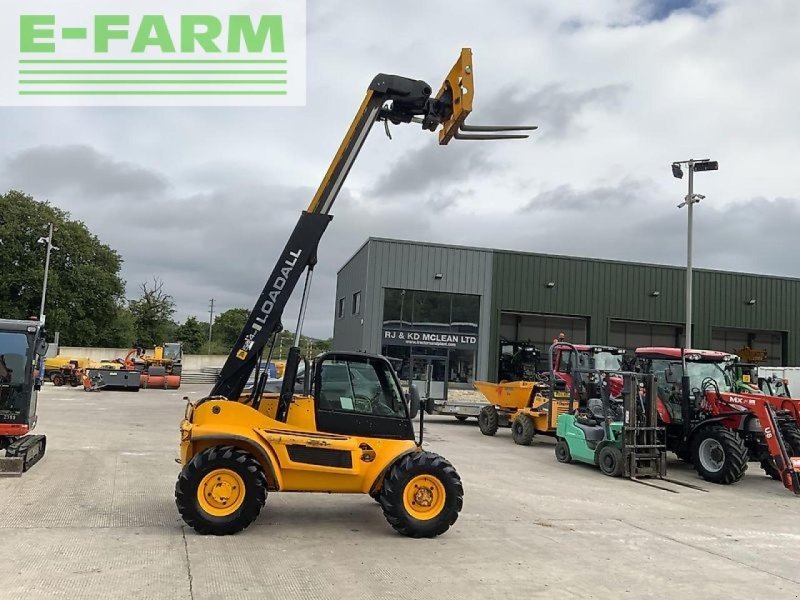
(362, 404)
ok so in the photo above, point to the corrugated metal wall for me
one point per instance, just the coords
(412, 266)
(348, 333)
(599, 290)
(605, 290)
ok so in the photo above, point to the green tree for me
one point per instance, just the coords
(121, 332)
(152, 314)
(193, 334)
(228, 325)
(85, 291)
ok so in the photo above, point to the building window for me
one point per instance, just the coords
(357, 303)
(340, 309)
(424, 328)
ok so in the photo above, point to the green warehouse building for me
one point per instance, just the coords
(454, 307)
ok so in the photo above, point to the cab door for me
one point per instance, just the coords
(358, 395)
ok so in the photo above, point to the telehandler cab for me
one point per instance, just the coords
(22, 348)
(350, 429)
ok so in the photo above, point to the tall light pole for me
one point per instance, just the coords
(692, 165)
(210, 325)
(50, 247)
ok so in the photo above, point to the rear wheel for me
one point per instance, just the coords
(422, 495)
(58, 380)
(221, 491)
(610, 461)
(719, 455)
(488, 420)
(563, 454)
(522, 430)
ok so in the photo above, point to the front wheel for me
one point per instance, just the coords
(221, 491)
(609, 460)
(422, 495)
(791, 440)
(488, 420)
(523, 430)
(719, 455)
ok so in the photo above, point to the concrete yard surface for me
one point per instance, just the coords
(96, 518)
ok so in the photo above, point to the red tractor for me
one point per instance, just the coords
(715, 428)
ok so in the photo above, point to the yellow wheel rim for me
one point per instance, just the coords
(423, 497)
(221, 492)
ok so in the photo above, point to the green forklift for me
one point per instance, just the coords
(615, 429)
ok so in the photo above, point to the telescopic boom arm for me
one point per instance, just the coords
(389, 98)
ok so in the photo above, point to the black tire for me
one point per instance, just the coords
(609, 459)
(684, 454)
(522, 430)
(58, 380)
(376, 495)
(221, 457)
(488, 420)
(719, 455)
(791, 439)
(563, 454)
(769, 469)
(462, 418)
(400, 476)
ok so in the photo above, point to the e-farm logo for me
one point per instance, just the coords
(180, 52)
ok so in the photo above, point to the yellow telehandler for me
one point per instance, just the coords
(341, 424)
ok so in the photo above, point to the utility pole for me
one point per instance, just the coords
(50, 247)
(210, 325)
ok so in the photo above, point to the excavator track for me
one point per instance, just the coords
(22, 454)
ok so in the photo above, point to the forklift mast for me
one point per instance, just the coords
(389, 98)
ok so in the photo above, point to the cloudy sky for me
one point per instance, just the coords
(205, 198)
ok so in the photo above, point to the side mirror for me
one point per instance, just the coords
(42, 347)
(669, 376)
(413, 401)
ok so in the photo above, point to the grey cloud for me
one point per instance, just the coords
(565, 198)
(81, 170)
(420, 170)
(658, 10)
(553, 108)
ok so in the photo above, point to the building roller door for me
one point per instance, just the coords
(540, 330)
(637, 334)
(734, 340)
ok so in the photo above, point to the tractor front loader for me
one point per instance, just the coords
(343, 425)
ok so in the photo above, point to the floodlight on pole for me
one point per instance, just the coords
(690, 200)
(50, 247)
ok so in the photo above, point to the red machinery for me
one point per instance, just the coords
(716, 429)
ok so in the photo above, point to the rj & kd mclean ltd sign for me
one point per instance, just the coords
(395, 337)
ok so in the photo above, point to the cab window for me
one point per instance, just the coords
(359, 386)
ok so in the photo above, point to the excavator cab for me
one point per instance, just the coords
(22, 348)
(349, 428)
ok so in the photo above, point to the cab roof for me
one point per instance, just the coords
(662, 352)
(18, 325)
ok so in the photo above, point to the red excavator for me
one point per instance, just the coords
(715, 428)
